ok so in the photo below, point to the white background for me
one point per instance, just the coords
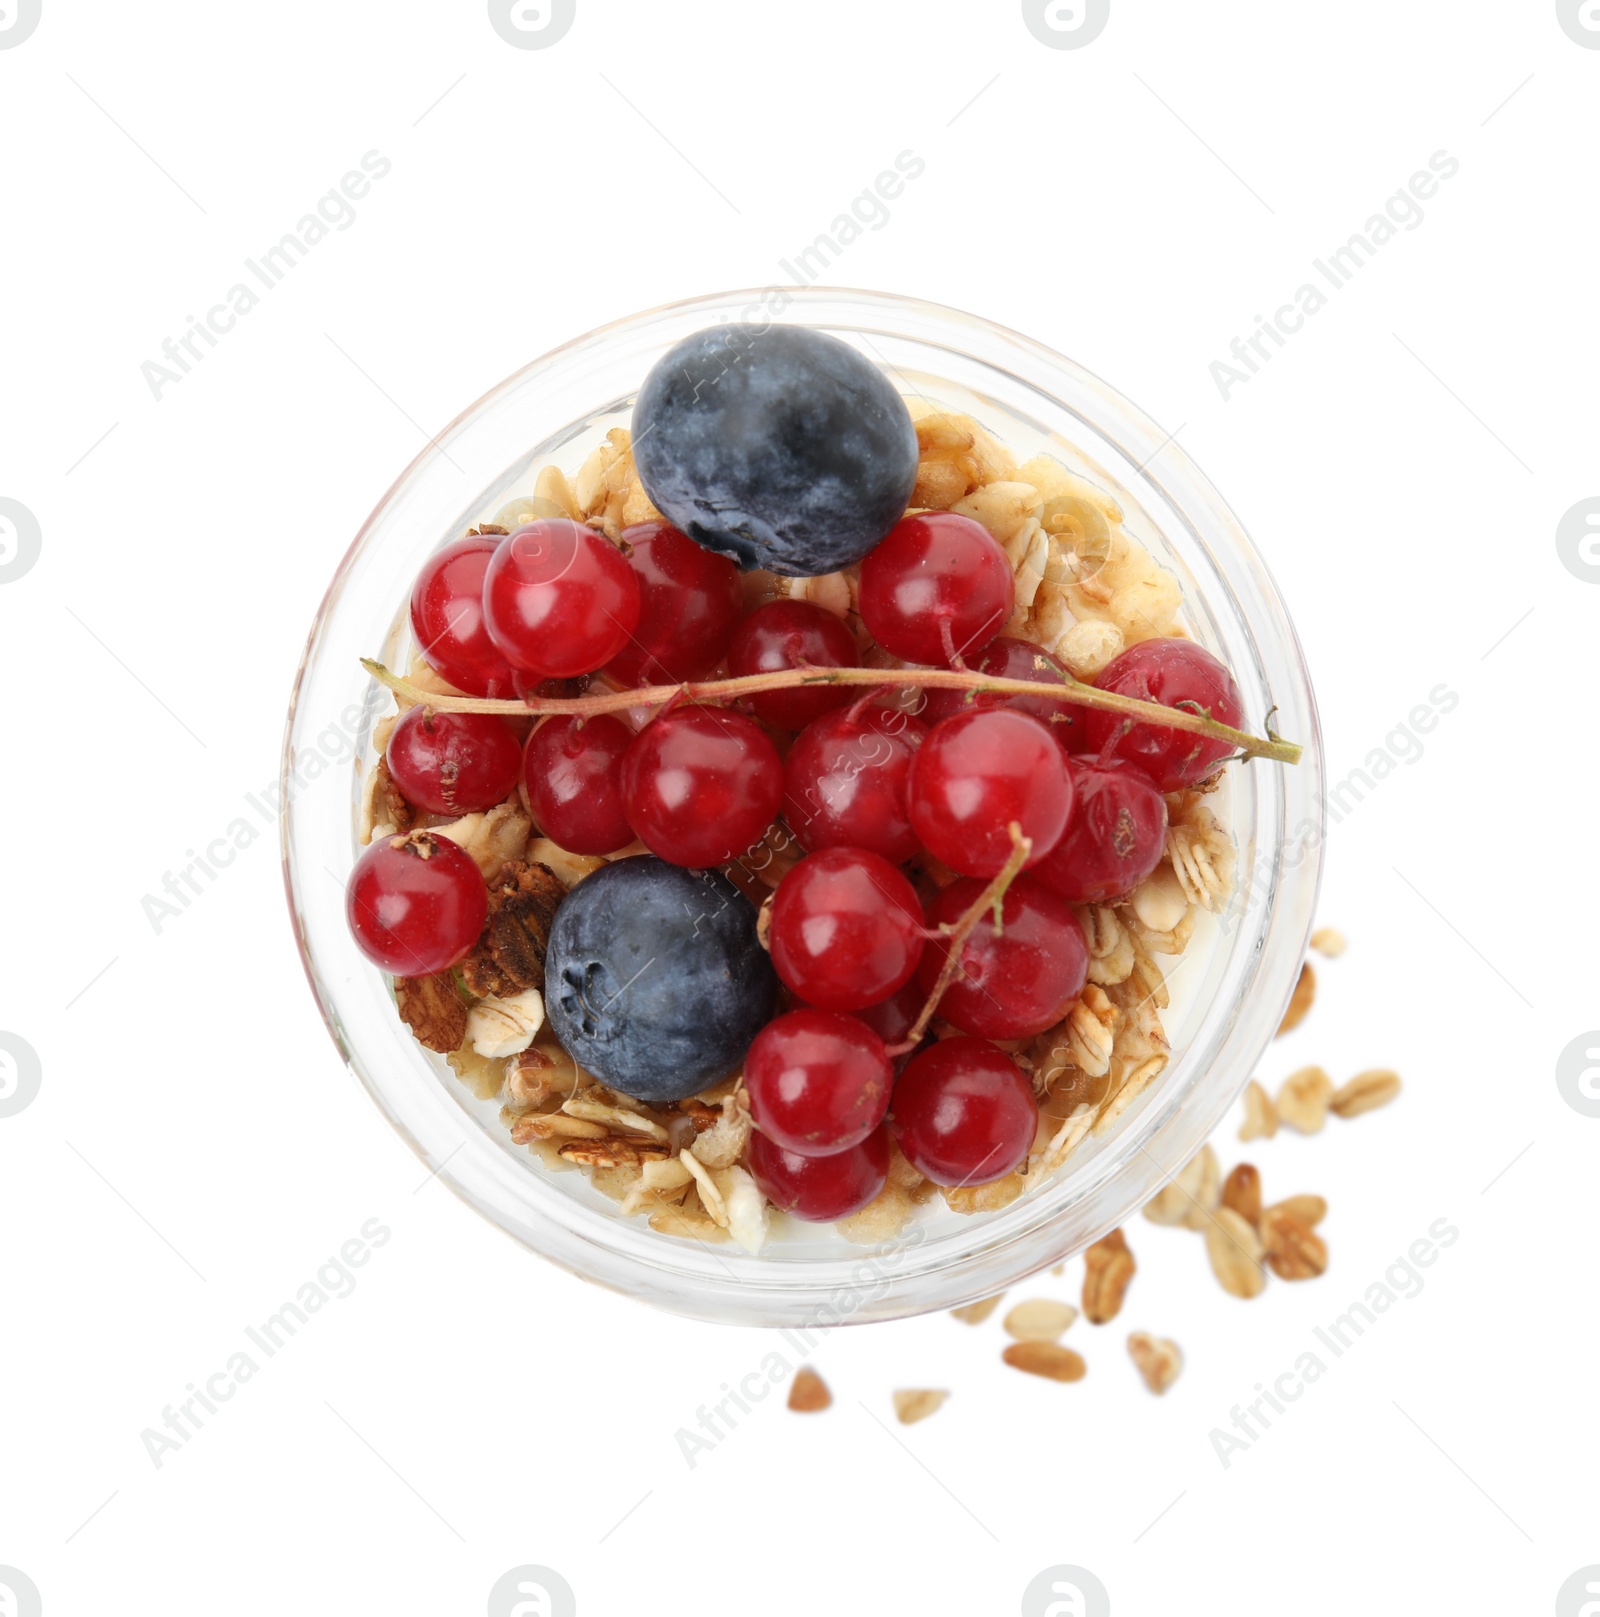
(1403, 464)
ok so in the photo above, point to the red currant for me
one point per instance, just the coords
(892, 1019)
(1115, 838)
(820, 1189)
(1019, 983)
(559, 599)
(453, 763)
(846, 929)
(784, 634)
(819, 1082)
(572, 769)
(938, 587)
(974, 776)
(1175, 673)
(846, 778)
(963, 1113)
(416, 904)
(447, 619)
(689, 605)
(701, 784)
(1006, 658)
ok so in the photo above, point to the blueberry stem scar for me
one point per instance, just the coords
(1071, 691)
(991, 898)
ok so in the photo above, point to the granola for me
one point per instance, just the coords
(1084, 590)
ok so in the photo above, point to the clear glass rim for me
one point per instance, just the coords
(918, 1271)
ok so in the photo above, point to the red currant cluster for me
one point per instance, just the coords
(970, 787)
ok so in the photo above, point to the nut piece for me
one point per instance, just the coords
(1235, 1253)
(989, 1198)
(554, 1126)
(1294, 1251)
(384, 811)
(1190, 1196)
(976, 1313)
(1087, 647)
(1328, 942)
(509, 957)
(611, 1153)
(1302, 1103)
(748, 1219)
(1260, 1118)
(1241, 1191)
(1046, 1359)
(539, 1075)
(808, 1392)
(494, 839)
(505, 1027)
(432, 1009)
(1158, 1359)
(1305, 990)
(1108, 1268)
(723, 1144)
(954, 456)
(1310, 1210)
(1366, 1092)
(1160, 901)
(917, 1403)
(1039, 1319)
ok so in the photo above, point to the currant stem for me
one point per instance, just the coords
(1073, 692)
(993, 898)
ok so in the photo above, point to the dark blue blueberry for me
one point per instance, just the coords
(654, 980)
(778, 446)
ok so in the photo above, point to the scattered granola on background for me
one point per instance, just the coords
(1158, 1359)
(808, 1392)
(1108, 1269)
(1366, 1092)
(1328, 942)
(1047, 1359)
(917, 1403)
(1039, 1319)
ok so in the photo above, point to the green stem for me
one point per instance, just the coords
(991, 898)
(1072, 692)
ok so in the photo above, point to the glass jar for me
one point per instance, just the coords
(1236, 975)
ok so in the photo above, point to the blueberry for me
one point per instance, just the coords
(654, 980)
(778, 446)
